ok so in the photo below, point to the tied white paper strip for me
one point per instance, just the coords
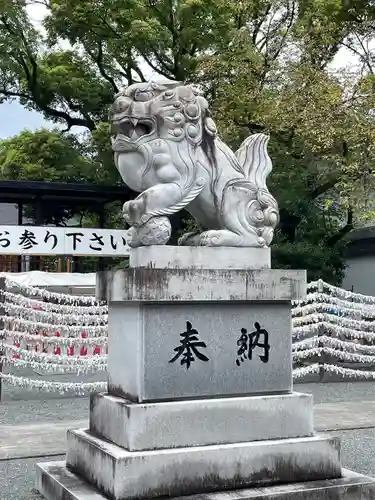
(63, 359)
(324, 298)
(333, 343)
(61, 298)
(320, 285)
(367, 326)
(54, 367)
(346, 373)
(53, 340)
(330, 308)
(339, 355)
(33, 315)
(18, 299)
(52, 317)
(62, 387)
(336, 330)
(27, 325)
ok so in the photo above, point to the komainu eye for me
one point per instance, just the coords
(169, 94)
(143, 96)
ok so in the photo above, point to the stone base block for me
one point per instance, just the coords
(200, 422)
(171, 257)
(56, 482)
(197, 285)
(160, 352)
(121, 474)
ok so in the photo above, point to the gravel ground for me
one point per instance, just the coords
(11, 393)
(358, 454)
(358, 450)
(339, 391)
(50, 407)
(358, 447)
(19, 482)
(51, 410)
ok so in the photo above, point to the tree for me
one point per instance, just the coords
(321, 122)
(52, 156)
(264, 66)
(46, 155)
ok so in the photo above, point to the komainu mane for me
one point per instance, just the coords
(167, 148)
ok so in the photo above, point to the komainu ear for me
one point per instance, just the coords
(210, 126)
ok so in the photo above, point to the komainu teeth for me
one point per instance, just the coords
(134, 121)
(134, 135)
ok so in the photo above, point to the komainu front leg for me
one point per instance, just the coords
(147, 215)
(152, 203)
(219, 238)
(227, 238)
(190, 239)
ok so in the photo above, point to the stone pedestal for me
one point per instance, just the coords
(200, 388)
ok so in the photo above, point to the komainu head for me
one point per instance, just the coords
(166, 110)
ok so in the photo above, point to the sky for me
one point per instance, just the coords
(14, 118)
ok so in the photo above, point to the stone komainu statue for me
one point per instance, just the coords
(166, 147)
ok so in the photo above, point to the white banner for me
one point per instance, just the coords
(37, 240)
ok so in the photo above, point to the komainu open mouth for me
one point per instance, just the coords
(133, 128)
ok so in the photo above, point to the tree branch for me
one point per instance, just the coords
(155, 68)
(323, 188)
(136, 68)
(9, 93)
(31, 75)
(364, 57)
(251, 126)
(258, 24)
(61, 115)
(349, 226)
(98, 60)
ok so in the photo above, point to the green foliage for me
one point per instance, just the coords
(264, 66)
(320, 260)
(45, 156)
(53, 156)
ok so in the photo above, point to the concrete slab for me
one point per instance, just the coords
(36, 440)
(200, 422)
(347, 415)
(56, 482)
(20, 441)
(121, 474)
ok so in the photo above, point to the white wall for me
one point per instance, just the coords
(8, 214)
(360, 274)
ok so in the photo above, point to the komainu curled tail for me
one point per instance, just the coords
(248, 210)
(256, 163)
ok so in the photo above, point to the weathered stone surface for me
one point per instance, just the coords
(121, 474)
(166, 147)
(143, 284)
(56, 482)
(200, 422)
(177, 257)
(143, 339)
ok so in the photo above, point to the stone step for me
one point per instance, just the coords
(56, 482)
(200, 422)
(121, 474)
